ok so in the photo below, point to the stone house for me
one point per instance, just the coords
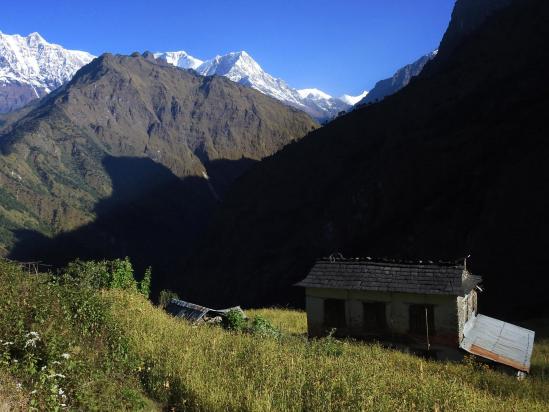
(426, 307)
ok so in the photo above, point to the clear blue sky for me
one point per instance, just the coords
(338, 46)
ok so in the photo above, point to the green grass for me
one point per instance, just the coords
(132, 355)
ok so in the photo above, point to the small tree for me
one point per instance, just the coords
(122, 274)
(144, 286)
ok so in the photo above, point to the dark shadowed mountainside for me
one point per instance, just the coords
(452, 165)
(129, 158)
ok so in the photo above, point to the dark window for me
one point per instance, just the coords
(334, 313)
(374, 317)
(421, 317)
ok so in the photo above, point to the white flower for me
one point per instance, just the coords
(33, 337)
(65, 356)
(31, 343)
(19, 386)
(61, 392)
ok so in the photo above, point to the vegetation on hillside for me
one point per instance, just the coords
(65, 343)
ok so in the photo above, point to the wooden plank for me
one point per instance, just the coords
(477, 350)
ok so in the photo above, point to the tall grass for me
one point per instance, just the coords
(126, 354)
(207, 368)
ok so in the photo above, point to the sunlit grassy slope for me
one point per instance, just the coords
(131, 355)
(207, 368)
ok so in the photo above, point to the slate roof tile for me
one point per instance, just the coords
(424, 278)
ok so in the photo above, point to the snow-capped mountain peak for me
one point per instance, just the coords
(240, 67)
(180, 59)
(234, 65)
(352, 100)
(313, 94)
(30, 67)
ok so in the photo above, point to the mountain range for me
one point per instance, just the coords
(30, 68)
(129, 158)
(231, 195)
(454, 164)
(240, 67)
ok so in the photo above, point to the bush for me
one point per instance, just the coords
(106, 274)
(144, 286)
(165, 297)
(262, 327)
(235, 320)
(60, 343)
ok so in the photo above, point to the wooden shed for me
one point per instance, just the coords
(424, 306)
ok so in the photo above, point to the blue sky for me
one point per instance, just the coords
(338, 46)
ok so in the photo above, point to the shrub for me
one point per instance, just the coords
(165, 297)
(235, 320)
(106, 274)
(144, 286)
(60, 343)
(122, 275)
(263, 327)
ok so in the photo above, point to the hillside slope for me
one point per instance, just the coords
(138, 149)
(107, 350)
(454, 164)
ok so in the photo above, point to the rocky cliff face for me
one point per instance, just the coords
(399, 80)
(454, 164)
(133, 138)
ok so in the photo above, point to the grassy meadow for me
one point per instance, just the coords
(71, 346)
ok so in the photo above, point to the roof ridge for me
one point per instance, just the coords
(405, 262)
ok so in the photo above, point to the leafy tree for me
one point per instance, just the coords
(144, 286)
(122, 275)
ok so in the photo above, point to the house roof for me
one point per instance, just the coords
(499, 341)
(193, 312)
(442, 278)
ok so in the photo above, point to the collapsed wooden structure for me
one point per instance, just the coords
(195, 313)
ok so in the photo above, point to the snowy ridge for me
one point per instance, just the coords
(352, 100)
(180, 59)
(313, 94)
(240, 67)
(30, 67)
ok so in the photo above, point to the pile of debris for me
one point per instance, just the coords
(199, 314)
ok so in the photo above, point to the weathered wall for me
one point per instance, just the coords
(467, 308)
(396, 310)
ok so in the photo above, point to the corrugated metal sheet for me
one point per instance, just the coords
(186, 310)
(499, 341)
